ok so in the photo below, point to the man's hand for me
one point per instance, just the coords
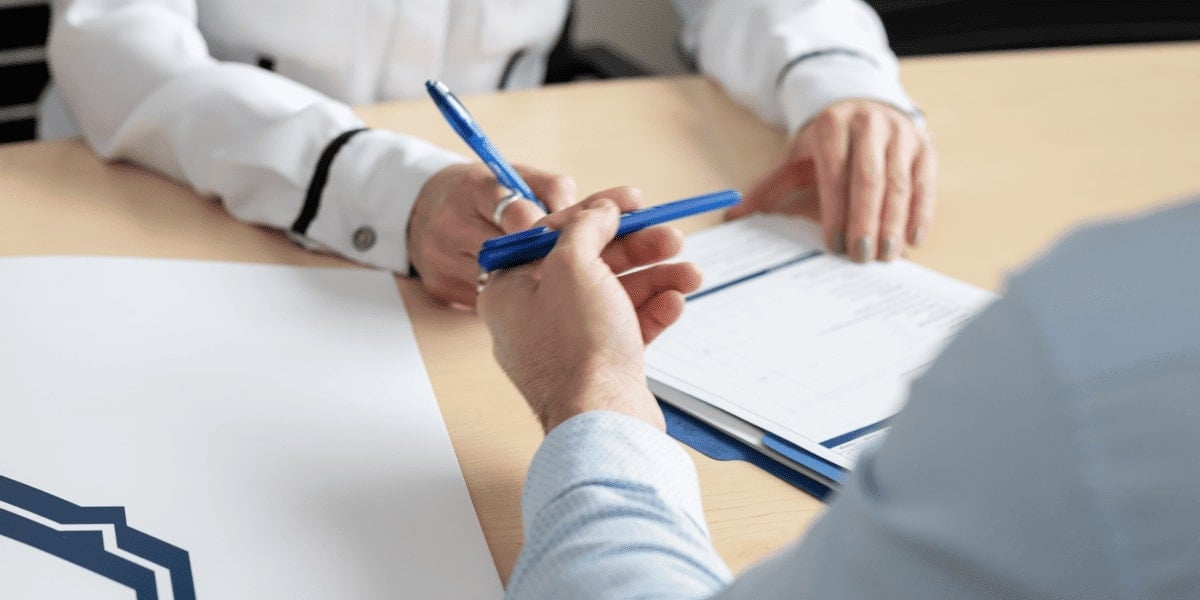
(570, 334)
(872, 171)
(452, 217)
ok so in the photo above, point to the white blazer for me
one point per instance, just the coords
(243, 98)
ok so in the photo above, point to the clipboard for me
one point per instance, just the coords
(728, 377)
(718, 445)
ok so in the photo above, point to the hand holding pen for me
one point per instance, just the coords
(525, 244)
(454, 214)
(599, 321)
(468, 129)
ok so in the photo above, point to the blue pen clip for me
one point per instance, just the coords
(532, 244)
(468, 129)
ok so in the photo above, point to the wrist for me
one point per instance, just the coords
(598, 389)
(814, 85)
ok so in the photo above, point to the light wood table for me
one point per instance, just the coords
(1030, 144)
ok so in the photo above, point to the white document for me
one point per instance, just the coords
(802, 344)
(180, 429)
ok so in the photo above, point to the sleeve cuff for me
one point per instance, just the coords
(609, 446)
(373, 182)
(811, 86)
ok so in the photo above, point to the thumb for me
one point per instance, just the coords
(773, 188)
(585, 236)
(555, 191)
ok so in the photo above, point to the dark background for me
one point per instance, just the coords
(915, 27)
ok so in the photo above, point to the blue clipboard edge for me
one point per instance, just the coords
(707, 439)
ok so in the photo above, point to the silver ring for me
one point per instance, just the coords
(481, 282)
(505, 202)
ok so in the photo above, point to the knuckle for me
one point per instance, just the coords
(867, 177)
(899, 184)
(523, 213)
(827, 122)
(862, 119)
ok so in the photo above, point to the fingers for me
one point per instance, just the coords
(658, 295)
(643, 285)
(555, 191)
(870, 133)
(584, 237)
(519, 216)
(659, 313)
(452, 278)
(894, 220)
(827, 140)
(626, 198)
(784, 189)
(924, 177)
(642, 248)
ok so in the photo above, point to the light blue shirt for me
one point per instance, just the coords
(1050, 452)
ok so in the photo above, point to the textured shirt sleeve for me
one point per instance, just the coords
(789, 59)
(142, 86)
(612, 510)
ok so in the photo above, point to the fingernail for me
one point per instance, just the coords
(888, 249)
(600, 203)
(862, 250)
(837, 242)
(919, 236)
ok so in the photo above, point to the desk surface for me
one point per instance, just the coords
(1030, 144)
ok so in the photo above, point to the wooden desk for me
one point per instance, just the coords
(1030, 144)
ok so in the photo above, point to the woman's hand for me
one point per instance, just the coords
(452, 217)
(870, 168)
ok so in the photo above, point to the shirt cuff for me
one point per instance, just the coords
(814, 84)
(373, 182)
(608, 446)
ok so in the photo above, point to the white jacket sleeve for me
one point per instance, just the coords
(140, 82)
(788, 59)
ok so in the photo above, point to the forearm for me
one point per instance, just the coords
(612, 509)
(788, 60)
(143, 88)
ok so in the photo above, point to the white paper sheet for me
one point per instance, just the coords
(275, 423)
(803, 344)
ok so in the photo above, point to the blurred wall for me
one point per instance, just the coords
(643, 30)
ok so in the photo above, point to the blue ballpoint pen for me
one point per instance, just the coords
(466, 128)
(527, 246)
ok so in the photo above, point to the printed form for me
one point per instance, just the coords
(802, 344)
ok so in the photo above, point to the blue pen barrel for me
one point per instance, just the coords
(464, 125)
(527, 246)
(656, 215)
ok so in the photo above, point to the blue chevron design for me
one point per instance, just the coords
(86, 548)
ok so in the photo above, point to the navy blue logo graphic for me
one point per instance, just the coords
(77, 535)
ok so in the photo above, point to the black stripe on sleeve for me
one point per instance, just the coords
(817, 54)
(510, 67)
(312, 200)
(24, 26)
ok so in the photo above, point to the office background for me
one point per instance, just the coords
(613, 38)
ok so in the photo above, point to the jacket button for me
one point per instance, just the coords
(364, 239)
